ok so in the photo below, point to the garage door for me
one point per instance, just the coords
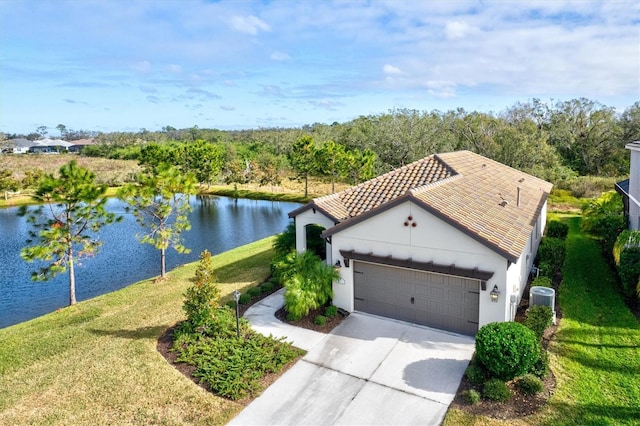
(435, 300)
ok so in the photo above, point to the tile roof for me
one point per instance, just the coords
(477, 195)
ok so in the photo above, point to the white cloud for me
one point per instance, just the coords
(249, 24)
(391, 70)
(442, 89)
(458, 29)
(227, 108)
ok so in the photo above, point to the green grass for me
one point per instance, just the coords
(564, 200)
(595, 354)
(598, 345)
(97, 363)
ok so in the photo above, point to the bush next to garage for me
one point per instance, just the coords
(507, 349)
(308, 282)
(538, 319)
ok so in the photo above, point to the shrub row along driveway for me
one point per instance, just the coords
(368, 370)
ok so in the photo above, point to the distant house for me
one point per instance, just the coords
(49, 146)
(630, 188)
(78, 145)
(447, 241)
(20, 146)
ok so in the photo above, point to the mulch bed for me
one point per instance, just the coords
(519, 405)
(165, 342)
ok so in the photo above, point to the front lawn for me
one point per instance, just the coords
(595, 354)
(97, 362)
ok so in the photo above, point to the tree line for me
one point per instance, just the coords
(554, 141)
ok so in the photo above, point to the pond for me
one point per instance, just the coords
(218, 224)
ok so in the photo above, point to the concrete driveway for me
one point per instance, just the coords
(369, 370)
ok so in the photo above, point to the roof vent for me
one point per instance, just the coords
(542, 296)
(518, 198)
(504, 203)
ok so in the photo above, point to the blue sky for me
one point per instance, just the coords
(126, 65)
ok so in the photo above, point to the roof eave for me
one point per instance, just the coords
(312, 205)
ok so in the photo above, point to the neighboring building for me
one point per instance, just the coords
(630, 188)
(20, 145)
(429, 242)
(78, 145)
(42, 146)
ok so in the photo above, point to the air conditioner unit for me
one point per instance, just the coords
(543, 296)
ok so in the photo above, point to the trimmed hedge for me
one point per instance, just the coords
(542, 281)
(507, 349)
(538, 319)
(556, 229)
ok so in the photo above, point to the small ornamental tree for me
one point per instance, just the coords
(67, 224)
(160, 202)
(507, 349)
(202, 299)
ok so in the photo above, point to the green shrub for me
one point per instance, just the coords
(285, 242)
(331, 311)
(542, 281)
(552, 250)
(470, 396)
(233, 367)
(475, 374)
(266, 287)
(538, 319)
(231, 304)
(254, 291)
(496, 390)
(245, 299)
(308, 282)
(507, 349)
(529, 384)
(541, 367)
(557, 229)
(292, 317)
(546, 270)
(320, 320)
(629, 270)
(202, 299)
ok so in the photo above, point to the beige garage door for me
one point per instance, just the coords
(435, 300)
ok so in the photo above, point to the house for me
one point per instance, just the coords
(20, 146)
(78, 145)
(447, 241)
(630, 188)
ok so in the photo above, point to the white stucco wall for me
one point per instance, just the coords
(430, 240)
(634, 186)
(309, 217)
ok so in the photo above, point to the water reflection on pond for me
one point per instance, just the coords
(217, 224)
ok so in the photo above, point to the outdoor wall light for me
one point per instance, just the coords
(337, 264)
(236, 297)
(495, 293)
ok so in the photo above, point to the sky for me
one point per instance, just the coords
(117, 65)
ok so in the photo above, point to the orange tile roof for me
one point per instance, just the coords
(471, 192)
